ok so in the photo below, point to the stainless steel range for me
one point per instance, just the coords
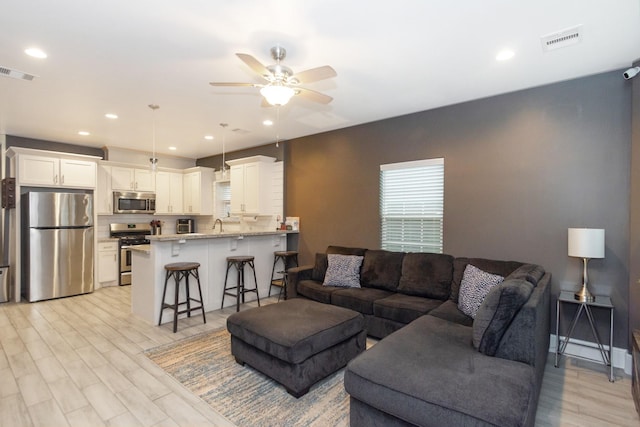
(129, 235)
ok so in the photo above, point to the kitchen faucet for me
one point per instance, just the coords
(217, 221)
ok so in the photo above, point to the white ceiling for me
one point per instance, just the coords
(392, 58)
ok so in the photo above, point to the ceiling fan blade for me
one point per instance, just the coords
(314, 96)
(254, 64)
(315, 74)
(234, 84)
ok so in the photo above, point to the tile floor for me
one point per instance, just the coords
(78, 362)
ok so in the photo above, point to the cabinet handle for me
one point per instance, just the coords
(55, 179)
(62, 180)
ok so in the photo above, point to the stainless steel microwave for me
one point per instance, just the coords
(132, 202)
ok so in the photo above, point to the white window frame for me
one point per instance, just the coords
(412, 206)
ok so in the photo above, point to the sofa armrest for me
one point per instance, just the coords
(294, 276)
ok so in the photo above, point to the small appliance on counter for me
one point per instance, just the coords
(185, 226)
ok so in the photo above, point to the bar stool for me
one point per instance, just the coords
(239, 262)
(288, 258)
(178, 271)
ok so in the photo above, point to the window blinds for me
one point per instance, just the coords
(412, 206)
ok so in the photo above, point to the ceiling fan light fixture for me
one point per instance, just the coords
(277, 94)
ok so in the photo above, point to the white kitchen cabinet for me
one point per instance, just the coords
(107, 262)
(56, 171)
(169, 189)
(198, 191)
(132, 179)
(251, 185)
(104, 193)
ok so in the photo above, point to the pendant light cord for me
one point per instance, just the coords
(153, 159)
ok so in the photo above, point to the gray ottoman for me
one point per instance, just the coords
(296, 342)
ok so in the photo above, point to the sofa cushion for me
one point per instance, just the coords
(501, 268)
(403, 308)
(497, 311)
(532, 273)
(428, 373)
(343, 271)
(358, 299)
(475, 286)
(344, 250)
(321, 262)
(314, 290)
(319, 267)
(448, 310)
(426, 275)
(381, 269)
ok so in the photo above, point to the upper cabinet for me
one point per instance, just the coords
(132, 179)
(104, 194)
(198, 191)
(169, 192)
(251, 185)
(49, 169)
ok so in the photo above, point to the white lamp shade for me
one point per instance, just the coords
(277, 94)
(586, 242)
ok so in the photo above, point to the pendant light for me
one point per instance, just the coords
(224, 133)
(153, 160)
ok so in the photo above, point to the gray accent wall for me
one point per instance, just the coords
(520, 169)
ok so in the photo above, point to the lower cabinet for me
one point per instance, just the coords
(107, 262)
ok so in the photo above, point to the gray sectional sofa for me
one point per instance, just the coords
(437, 366)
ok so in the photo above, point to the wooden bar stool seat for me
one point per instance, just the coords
(179, 271)
(288, 259)
(239, 290)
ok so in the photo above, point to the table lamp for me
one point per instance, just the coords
(586, 243)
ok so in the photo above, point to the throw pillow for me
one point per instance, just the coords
(475, 285)
(343, 271)
(496, 313)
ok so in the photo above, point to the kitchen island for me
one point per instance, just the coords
(208, 249)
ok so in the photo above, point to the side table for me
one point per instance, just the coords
(567, 297)
(635, 379)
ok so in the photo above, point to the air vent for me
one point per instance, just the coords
(240, 131)
(15, 74)
(563, 38)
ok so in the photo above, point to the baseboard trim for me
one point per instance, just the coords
(620, 357)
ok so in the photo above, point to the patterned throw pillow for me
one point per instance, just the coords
(475, 285)
(343, 271)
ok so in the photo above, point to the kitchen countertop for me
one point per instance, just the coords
(107, 239)
(145, 249)
(215, 235)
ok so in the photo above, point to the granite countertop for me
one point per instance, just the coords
(215, 235)
(145, 249)
(107, 239)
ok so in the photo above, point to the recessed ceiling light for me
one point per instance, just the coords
(505, 55)
(83, 133)
(172, 148)
(208, 137)
(111, 116)
(35, 52)
(268, 122)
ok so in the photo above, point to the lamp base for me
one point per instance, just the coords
(583, 295)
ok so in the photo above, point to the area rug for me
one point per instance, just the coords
(204, 364)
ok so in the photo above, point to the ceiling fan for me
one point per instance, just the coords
(281, 83)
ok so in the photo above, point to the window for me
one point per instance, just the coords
(412, 206)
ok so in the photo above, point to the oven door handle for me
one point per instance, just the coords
(126, 247)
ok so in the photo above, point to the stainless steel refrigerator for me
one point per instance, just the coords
(57, 245)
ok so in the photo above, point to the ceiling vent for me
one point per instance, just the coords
(562, 38)
(15, 74)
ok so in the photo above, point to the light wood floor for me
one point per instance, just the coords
(78, 362)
